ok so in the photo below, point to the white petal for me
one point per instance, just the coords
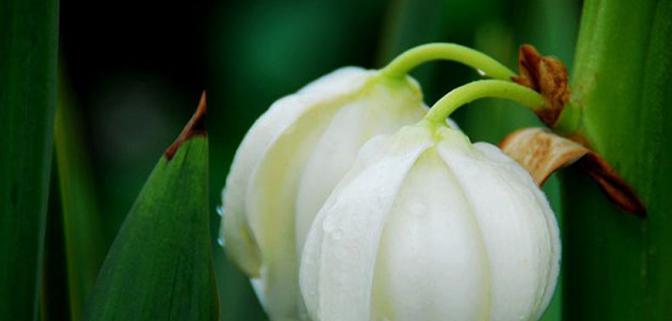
(241, 244)
(270, 198)
(382, 110)
(520, 175)
(432, 264)
(270, 209)
(517, 225)
(339, 257)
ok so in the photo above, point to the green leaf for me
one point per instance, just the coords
(28, 51)
(160, 264)
(618, 266)
(82, 230)
(54, 305)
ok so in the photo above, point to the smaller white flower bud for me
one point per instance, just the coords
(427, 226)
(289, 162)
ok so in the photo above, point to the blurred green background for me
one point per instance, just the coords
(131, 73)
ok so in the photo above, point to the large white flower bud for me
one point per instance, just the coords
(289, 162)
(427, 226)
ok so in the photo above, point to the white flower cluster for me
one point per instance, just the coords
(343, 204)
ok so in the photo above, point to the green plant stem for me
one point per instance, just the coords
(569, 121)
(414, 57)
(483, 89)
(618, 266)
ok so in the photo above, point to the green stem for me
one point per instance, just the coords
(414, 57)
(619, 265)
(569, 120)
(482, 89)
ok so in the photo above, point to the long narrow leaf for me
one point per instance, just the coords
(82, 230)
(28, 48)
(54, 286)
(160, 264)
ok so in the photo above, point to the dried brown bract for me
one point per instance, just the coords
(542, 153)
(546, 75)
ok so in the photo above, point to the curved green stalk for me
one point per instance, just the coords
(414, 57)
(482, 89)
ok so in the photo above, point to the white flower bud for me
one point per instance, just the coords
(289, 162)
(427, 226)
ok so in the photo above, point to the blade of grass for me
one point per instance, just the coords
(84, 247)
(28, 49)
(160, 264)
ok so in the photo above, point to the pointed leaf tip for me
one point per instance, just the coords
(160, 264)
(195, 127)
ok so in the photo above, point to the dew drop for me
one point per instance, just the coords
(221, 241)
(480, 72)
(220, 210)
